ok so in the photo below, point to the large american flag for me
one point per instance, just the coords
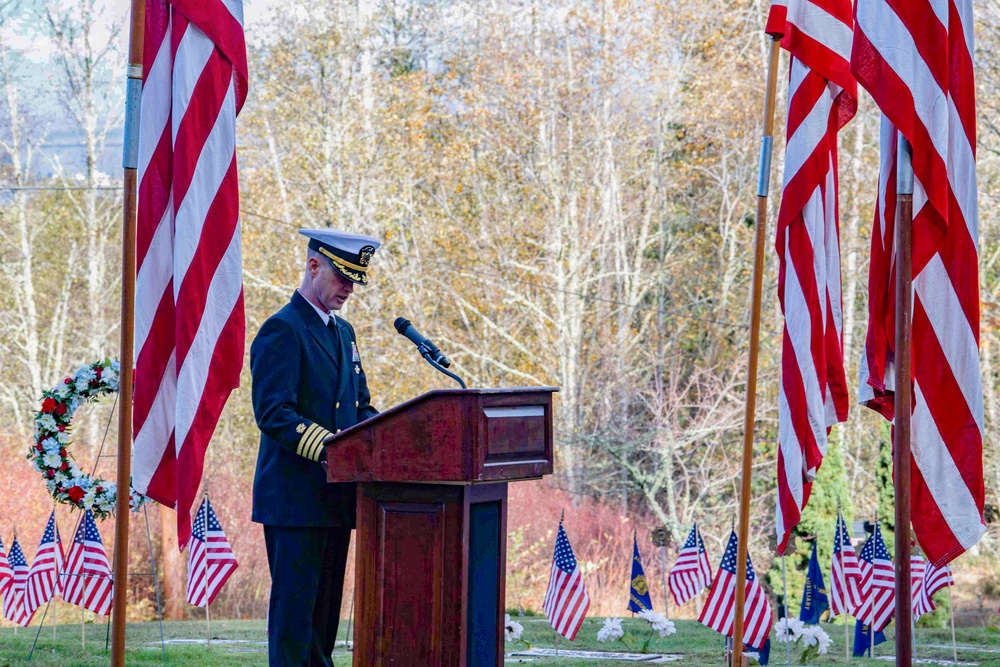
(566, 599)
(822, 98)
(13, 599)
(934, 579)
(87, 582)
(719, 610)
(845, 584)
(6, 574)
(189, 323)
(43, 577)
(211, 560)
(692, 573)
(915, 58)
(878, 583)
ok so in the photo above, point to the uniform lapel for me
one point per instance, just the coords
(318, 331)
(345, 367)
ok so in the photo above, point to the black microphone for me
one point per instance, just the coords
(426, 347)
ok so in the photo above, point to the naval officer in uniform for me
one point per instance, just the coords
(308, 383)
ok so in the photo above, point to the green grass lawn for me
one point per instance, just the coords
(699, 645)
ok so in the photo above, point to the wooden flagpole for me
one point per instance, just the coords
(951, 614)
(760, 236)
(130, 163)
(901, 441)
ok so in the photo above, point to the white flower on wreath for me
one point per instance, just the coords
(611, 631)
(51, 446)
(50, 484)
(788, 630)
(88, 498)
(512, 630)
(52, 460)
(61, 478)
(47, 423)
(659, 622)
(814, 635)
(61, 437)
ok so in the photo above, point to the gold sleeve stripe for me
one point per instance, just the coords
(311, 443)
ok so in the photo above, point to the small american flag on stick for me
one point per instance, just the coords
(878, 583)
(934, 579)
(13, 599)
(211, 560)
(692, 573)
(43, 577)
(719, 611)
(87, 581)
(566, 600)
(845, 584)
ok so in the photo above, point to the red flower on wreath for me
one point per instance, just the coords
(75, 494)
(38, 446)
(64, 467)
(60, 409)
(49, 404)
(61, 427)
(50, 473)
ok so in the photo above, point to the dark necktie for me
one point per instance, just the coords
(331, 324)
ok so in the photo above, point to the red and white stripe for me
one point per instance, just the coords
(822, 98)
(44, 576)
(719, 612)
(87, 581)
(211, 560)
(918, 567)
(845, 582)
(6, 574)
(915, 58)
(13, 598)
(934, 580)
(566, 599)
(189, 327)
(692, 573)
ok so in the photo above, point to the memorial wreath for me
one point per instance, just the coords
(50, 454)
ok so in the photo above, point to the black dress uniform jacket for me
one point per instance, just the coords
(305, 386)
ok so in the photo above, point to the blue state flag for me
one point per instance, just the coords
(638, 591)
(764, 652)
(814, 598)
(862, 639)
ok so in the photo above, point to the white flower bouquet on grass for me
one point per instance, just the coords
(813, 638)
(658, 624)
(512, 631)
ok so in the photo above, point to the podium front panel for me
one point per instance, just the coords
(430, 581)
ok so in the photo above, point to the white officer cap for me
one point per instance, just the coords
(349, 254)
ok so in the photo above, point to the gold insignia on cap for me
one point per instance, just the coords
(301, 428)
(365, 255)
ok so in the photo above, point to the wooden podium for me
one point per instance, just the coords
(432, 520)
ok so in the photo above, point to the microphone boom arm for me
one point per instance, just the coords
(426, 354)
